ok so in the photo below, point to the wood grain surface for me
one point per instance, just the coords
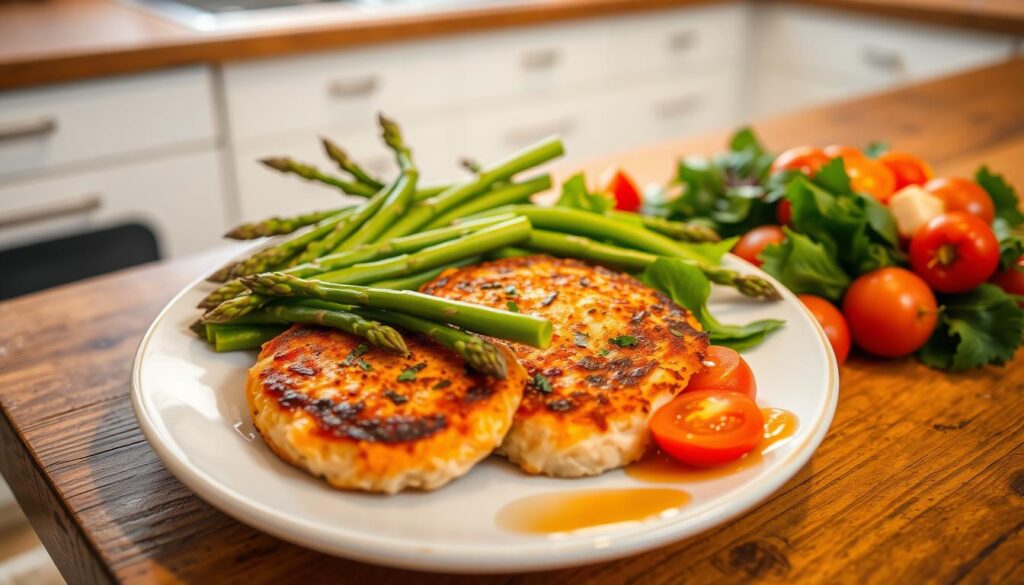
(920, 479)
(49, 41)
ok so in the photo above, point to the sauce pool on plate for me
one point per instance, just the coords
(556, 512)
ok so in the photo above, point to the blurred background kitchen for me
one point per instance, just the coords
(130, 130)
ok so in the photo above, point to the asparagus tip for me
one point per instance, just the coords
(278, 163)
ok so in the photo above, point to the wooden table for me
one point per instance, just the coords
(921, 478)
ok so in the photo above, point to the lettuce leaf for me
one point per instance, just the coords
(983, 326)
(1003, 196)
(576, 196)
(687, 286)
(804, 266)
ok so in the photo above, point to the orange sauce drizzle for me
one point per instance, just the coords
(569, 511)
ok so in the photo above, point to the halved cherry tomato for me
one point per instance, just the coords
(784, 213)
(907, 168)
(833, 322)
(954, 252)
(806, 159)
(870, 176)
(623, 188)
(961, 194)
(842, 151)
(724, 369)
(1012, 280)
(756, 240)
(708, 428)
(891, 312)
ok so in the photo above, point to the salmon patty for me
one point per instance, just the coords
(365, 418)
(620, 351)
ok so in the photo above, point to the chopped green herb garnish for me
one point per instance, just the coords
(365, 365)
(511, 291)
(623, 340)
(675, 332)
(580, 338)
(355, 353)
(542, 384)
(512, 306)
(396, 397)
(442, 384)
(604, 352)
(409, 374)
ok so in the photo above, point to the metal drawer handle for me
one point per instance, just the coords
(541, 59)
(883, 58)
(48, 211)
(675, 107)
(682, 40)
(27, 128)
(359, 86)
(533, 133)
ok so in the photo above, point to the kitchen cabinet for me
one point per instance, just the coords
(803, 55)
(601, 84)
(179, 198)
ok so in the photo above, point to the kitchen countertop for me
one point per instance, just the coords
(47, 41)
(920, 479)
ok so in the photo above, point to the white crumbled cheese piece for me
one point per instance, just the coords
(912, 207)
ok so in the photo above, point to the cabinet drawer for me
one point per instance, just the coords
(531, 61)
(876, 51)
(658, 110)
(178, 198)
(52, 126)
(343, 89)
(671, 40)
(264, 192)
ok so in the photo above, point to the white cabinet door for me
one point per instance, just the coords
(84, 122)
(875, 52)
(179, 198)
(264, 192)
(778, 90)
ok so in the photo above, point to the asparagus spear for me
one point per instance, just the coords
(505, 195)
(481, 355)
(677, 230)
(277, 255)
(518, 327)
(400, 196)
(345, 163)
(343, 229)
(490, 238)
(366, 253)
(239, 337)
(558, 244)
(423, 212)
(278, 226)
(311, 173)
(375, 332)
(415, 281)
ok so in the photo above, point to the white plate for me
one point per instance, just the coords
(191, 406)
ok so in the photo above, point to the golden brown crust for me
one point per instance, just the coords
(369, 419)
(597, 387)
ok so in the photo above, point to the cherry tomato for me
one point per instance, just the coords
(623, 188)
(833, 322)
(842, 151)
(954, 252)
(784, 213)
(963, 195)
(1012, 280)
(708, 428)
(907, 168)
(725, 370)
(756, 240)
(806, 159)
(891, 312)
(870, 176)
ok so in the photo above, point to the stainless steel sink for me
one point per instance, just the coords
(227, 15)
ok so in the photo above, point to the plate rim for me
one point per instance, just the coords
(467, 558)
